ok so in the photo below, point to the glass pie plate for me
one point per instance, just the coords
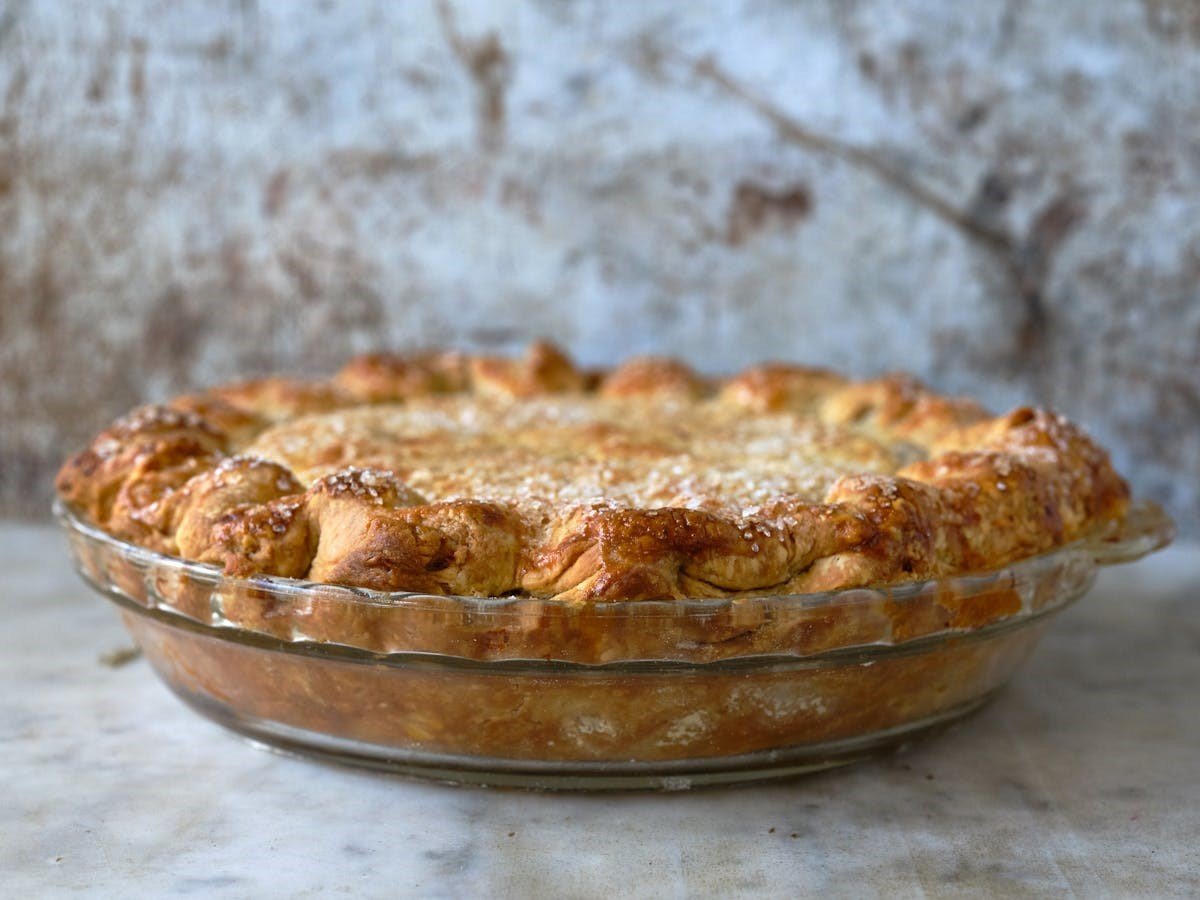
(517, 691)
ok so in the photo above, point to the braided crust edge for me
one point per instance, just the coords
(991, 490)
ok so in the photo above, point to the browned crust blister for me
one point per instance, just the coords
(978, 492)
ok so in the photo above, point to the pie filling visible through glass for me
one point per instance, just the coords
(448, 474)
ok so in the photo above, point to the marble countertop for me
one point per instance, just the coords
(1082, 778)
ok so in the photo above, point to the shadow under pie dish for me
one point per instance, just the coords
(518, 572)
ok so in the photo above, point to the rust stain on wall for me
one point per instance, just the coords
(275, 193)
(755, 207)
(1174, 19)
(490, 69)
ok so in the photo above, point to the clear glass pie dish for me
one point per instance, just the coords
(518, 691)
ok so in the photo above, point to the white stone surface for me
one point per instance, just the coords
(1083, 778)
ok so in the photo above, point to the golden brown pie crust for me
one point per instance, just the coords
(445, 473)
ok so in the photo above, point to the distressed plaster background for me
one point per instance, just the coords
(1001, 197)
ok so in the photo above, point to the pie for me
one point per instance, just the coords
(637, 535)
(449, 474)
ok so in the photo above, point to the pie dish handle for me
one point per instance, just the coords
(1145, 528)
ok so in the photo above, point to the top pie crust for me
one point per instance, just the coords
(450, 474)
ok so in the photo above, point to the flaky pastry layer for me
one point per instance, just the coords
(450, 474)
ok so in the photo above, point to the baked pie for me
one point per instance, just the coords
(449, 474)
(518, 571)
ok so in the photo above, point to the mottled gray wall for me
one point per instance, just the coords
(1001, 197)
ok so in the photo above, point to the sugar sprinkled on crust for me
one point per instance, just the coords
(553, 454)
